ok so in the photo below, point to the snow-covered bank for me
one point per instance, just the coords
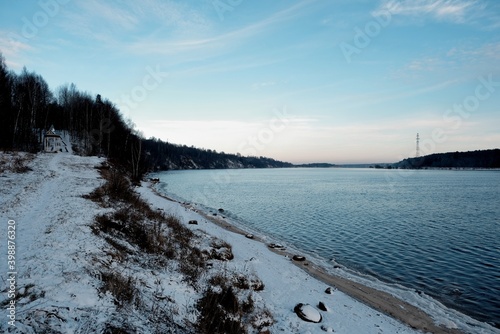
(286, 285)
(54, 248)
(307, 225)
(62, 265)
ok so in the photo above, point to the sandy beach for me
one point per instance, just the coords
(376, 299)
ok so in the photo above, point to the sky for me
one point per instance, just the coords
(339, 81)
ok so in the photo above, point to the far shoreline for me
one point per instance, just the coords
(379, 300)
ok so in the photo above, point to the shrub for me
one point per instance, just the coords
(118, 186)
(19, 165)
(15, 163)
(104, 223)
(122, 288)
(218, 312)
(191, 264)
(221, 250)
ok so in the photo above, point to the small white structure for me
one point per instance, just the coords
(52, 142)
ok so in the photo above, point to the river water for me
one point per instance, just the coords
(434, 232)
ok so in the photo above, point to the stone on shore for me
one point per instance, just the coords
(307, 313)
(298, 258)
(327, 329)
(322, 307)
(330, 290)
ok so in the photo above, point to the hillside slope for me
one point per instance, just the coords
(71, 278)
(471, 159)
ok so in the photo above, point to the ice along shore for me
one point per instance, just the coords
(62, 267)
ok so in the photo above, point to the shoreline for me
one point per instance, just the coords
(381, 301)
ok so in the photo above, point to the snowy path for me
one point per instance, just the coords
(53, 238)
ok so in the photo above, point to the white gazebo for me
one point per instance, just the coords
(52, 142)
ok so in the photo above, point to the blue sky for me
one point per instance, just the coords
(302, 81)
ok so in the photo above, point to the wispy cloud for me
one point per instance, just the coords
(488, 52)
(181, 17)
(110, 14)
(262, 85)
(118, 25)
(155, 45)
(219, 67)
(453, 10)
(424, 67)
(357, 101)
(463, 62)
(12, 48)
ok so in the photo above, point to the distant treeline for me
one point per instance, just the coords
(28, 108)
(316, 165)
(164, 156)
(472, 159)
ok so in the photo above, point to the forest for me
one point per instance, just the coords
(471, 159)
(28, 108)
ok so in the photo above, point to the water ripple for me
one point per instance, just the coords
(434, 231)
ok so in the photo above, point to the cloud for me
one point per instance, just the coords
(180, 16)
(483, 53)
(118, 25)
(12, 47)
(169, 46)
(113, 15)
(357, 101)
(463, 62)
(452, 10)
(262, 85)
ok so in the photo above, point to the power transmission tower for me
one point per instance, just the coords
(418, 146)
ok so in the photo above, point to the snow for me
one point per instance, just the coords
(308, 313)
(286, 285)
(59, 261)
(53, 239)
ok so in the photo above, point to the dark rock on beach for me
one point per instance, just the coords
(307, 313)
(322, 307)
(298, 258)
(327, 329)
(329, 290)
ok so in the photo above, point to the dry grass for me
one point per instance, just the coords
(226, 307)
(220, 250)
(245, 282)
(220, 312)
(122, 288)
(132, 227)
(15, 162)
